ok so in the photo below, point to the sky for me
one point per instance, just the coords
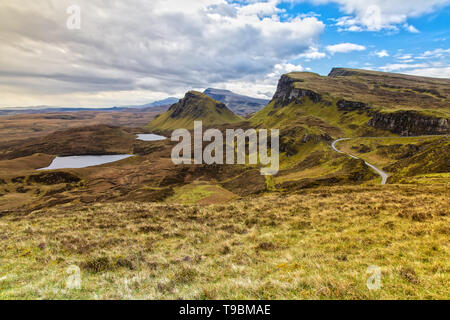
(103, 53)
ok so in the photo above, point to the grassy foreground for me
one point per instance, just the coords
(315, 245)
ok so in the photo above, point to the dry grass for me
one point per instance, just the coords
(24, 126)
(316, 245)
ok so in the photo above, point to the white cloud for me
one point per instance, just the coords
(402, 66)
(261, 9)
(287, 68)
(376, 15)
(345, 48)
(404, 56)
(434, 54)
(140, 49)
(382, 53)
(443, 72)
(313, 54)
(411, 28)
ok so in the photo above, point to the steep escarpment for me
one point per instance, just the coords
(297, 103)
(362, 102)
(288, 93)
(345, 105)
(410, 123)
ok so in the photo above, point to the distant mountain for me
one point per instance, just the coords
(47, 109)
(239, 104)
(194, 106)
(165, 102)
(32, 110)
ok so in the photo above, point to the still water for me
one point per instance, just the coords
(75, 162)
(150, 137)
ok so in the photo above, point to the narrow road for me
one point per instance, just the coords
(384, 175)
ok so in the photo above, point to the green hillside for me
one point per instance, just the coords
(195, 106)
(311, 111)
(381, 90)
(354, 103)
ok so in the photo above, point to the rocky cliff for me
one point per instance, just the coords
(410, 123)
(192, 105)
(288, 93)
(292, 89)
(345, 105)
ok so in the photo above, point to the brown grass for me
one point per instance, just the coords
(314, 245)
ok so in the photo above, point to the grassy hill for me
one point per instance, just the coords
(311, 111)
(195, 106)
(382, 90)
(359, 101)
(145, 228)
(317, 244)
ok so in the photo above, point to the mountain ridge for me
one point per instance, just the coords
(358, 100)
(239, 104)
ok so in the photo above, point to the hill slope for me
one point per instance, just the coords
(311, 111)
(194, 106)
(239, 104)
(360, 102)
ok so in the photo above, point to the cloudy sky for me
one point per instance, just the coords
(138, 51)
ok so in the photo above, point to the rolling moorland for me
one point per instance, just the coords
(145, 228)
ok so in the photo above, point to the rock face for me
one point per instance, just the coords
(376, 96)
(191, 105)
(340, 72)
(316, 138)
(410, 123)
(344, 105)
(287, 93)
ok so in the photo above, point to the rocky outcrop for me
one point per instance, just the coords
(316, 138)
(342, 72)
(190, 103)
(52, 178)
(287, 93)
(410, 123)
(344, 105)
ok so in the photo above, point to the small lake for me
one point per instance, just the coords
(76, 162)
(150, 137)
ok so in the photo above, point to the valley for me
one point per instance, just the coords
(363, 180)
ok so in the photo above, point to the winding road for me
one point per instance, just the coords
(384, 175)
